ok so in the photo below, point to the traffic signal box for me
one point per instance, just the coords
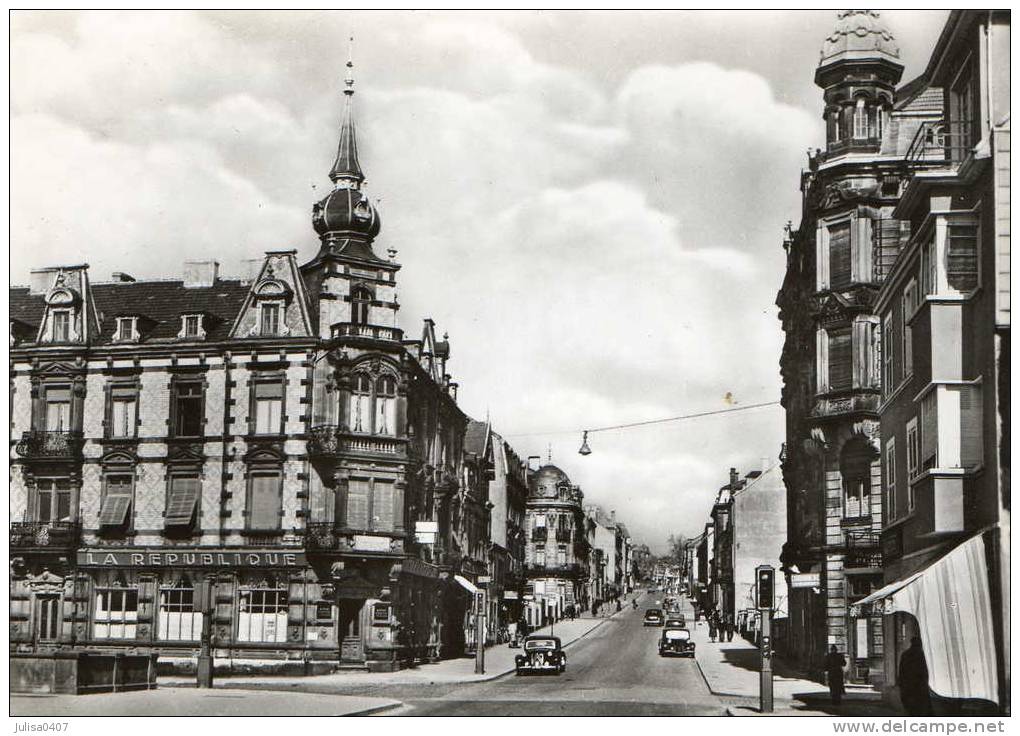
(766, 576)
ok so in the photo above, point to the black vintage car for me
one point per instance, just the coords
(653, 617)
(542, 653)
(675, 640)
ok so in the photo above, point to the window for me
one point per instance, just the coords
(890, 479)
(47, 617)
(262, 615)
(839, 255)
(962, 256)
(361, 400)
(929, 431)
(860, 120)
(540, 556)
(123, 411)
(116, 506)
(361, 301)
(861, 635)
(357, 503)
(561, 554)
(913, 460)
(116, 613)
(909, 303)
(385, 511)
(54, 499)
(178, 619)
(188, 409)
(265, 502)
(269, 407)
(855, 468)
(839, 356)
(61, 325)
(182, 500)
(963, 126)
(374, 504)
(386, 405)
(539, 521)
(929, 268)
(887, 355)
(58, 409)
(125, 329)
(269, 323)
(191, 327)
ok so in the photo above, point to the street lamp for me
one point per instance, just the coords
(585, 450)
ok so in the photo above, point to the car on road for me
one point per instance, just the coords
(542, 654)
(676, 641)
(676, 621)
(654, 617)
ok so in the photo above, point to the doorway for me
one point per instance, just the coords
(352, 624)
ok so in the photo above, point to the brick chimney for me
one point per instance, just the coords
(200, 273)
(734, 477)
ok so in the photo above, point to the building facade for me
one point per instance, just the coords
(275, 438)
(837, 259)
(508, 494)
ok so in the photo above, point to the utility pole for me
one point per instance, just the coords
(203, 602)
(765, 576)
(480, 632)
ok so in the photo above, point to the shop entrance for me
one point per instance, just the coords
(352, 624)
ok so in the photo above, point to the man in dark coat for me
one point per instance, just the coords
(834, 664)
(913, 680)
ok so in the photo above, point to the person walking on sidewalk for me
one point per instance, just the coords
(712, 628)
(729, 627)
(834, 664)
(913, 680)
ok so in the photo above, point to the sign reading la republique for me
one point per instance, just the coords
(189, 558)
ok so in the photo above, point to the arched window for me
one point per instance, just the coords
(855, 468)
(386, 405)
(361, 299)
(860, 120)
(360, 416)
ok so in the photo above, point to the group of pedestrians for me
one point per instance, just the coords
(912, 678)
(720, 626)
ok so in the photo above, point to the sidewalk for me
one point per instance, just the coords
(499, 660)
(731, 670)
(194, 702)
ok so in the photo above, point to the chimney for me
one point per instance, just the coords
(40, 280)
(534, 465)
(122, 278)
(734, 477)
(200, 273)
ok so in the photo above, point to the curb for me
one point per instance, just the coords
(375, 709)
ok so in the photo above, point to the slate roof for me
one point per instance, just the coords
(158, 304)
(474, 437)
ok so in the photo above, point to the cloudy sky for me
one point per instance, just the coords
(591, 204)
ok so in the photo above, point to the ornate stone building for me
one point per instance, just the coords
(275, 437)
(837, 258)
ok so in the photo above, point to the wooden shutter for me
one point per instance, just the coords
(383, 506)
(839, 255)
(962, 257)
(971, 430)
(357, 504)
(265, 502)
(929, 429)
(888, 240)
(180, 507)
(117, 502)
(840, 364)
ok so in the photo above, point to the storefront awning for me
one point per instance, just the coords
(951, 602)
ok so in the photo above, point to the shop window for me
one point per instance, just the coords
(58, 408)
(116, 613)
(178, 619)
(123, 411)
(268, 396)
(265, 502)
(262, 615)
(116, 507)
(182, 501)
(361, 301)
(386, 405)
(188, 408)
(53, 499)
(61, 319)
(855, 469)
(47, 617)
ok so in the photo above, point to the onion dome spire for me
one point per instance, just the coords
(346, 172)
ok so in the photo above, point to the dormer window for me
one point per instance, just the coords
(271, 297)
(61, 325)
(269, 318)
(191, 327)
(127, 329)
(361, 301)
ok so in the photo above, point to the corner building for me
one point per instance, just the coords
(275, 436)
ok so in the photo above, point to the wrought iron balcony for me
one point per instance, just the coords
(44, 445)
(50, 535)
(941, 143)
(861, 400)
(371, 332)
(330, 441)
(552, 568)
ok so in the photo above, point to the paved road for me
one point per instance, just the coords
(615, 670)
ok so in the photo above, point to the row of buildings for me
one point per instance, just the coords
(746, 527)
(278, 441)
(895, 367)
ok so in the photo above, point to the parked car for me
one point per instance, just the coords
(677, 622)
(654, 617)
(676, 640)
(542, 653)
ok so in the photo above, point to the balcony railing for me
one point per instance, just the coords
(330, 440)
(860, 400)
(942, 143)
(862, 550)
(552, 568)
(43, 445)
(62, 535)
(372, 332)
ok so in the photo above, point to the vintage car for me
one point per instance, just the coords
(542, 653)
(654, 617)
(676, 640)
(676, 621)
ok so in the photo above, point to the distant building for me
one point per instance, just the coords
(508, 494)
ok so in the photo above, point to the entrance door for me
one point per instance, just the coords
(352, 645)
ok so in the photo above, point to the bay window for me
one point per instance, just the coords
(855, 469)
(373, 404)
(358, 500)
(839, 255)
(929, 430)
(361, 301)
(951, 427)
(843, 251)
(949, 258)
(839, 354)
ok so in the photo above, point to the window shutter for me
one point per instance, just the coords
(888, 237)
(861, 348)
(861, 254)
(265, 502)
(821, 257)
(929, 429)
(180, 507)
(357, 504)
(839, 255)
(962, 257)
(383, 506)
(971, 430)
(822, 366)
(840, 378)
(117, 502)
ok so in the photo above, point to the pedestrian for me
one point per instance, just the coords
(595, 609)
(729, 627)
(834, 664)
(712, 629)
(913, 680)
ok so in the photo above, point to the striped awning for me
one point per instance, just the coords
(951, 602)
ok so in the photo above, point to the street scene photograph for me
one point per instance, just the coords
(529, 364)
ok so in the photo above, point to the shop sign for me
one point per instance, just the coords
(371, 543)
(190, 558)
(806, 580)
(509, 595)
